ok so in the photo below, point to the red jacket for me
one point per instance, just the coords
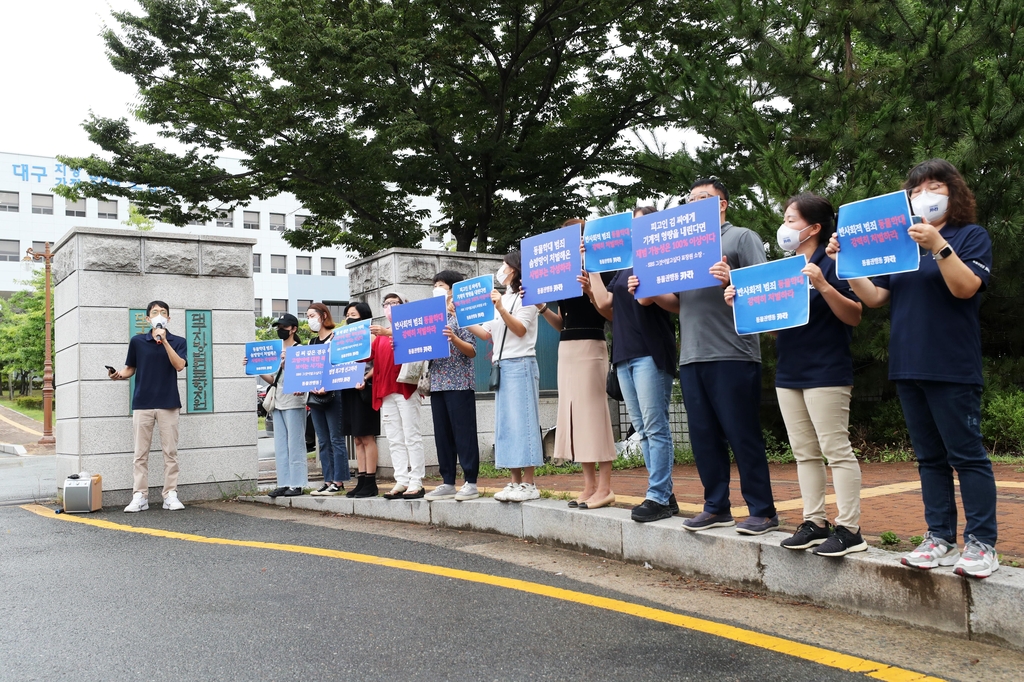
(385, 372)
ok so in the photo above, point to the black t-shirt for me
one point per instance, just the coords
(580, 320)
(934, 335)
(640, 331)
(818, 353)
(156, 380)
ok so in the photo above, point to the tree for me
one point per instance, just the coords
(500, 110)
(22, 343)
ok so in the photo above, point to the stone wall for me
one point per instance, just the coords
(99, 276)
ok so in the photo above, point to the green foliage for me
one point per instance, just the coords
(1002, 423)
(889, 538)
(22, 320)
(139, 220)
(777, 450)
(29, 402)
(916, 540)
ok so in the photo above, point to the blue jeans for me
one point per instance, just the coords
(647, 392)
(723, 409)
(290, 448)
(944, 421)
(333, 454)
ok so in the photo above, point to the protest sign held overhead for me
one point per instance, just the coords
(609, 243)
(417, 330)
(874, 239)
(351, 342)
(472, 299)
(263, 357)
(304, 368)
(551, 263)
(674, 249)
(771, 296)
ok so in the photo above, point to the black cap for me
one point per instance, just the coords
(287, 320)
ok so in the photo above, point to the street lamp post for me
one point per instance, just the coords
(47, 438)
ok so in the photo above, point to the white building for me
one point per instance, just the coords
(285, 278)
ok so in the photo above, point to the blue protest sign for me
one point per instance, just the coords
(551, 264)
(345, 375)
(873, 237)
(263, 357)
(674, 249)
(304, 368)
(417, 330)
(472, 299)
(609, 242)
(351, 342)
(771, 296)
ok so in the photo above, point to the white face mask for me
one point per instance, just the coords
(788, 238)
(502, 276)
(440, 291)
(314, 324)
(158, 320)
(932, 207)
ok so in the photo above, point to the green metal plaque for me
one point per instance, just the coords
(199, 344)
(136, 325)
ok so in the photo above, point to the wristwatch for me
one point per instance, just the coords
(945, 252)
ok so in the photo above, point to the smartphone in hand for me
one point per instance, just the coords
(110, 370)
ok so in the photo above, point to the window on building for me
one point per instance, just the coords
(257, 307)
(257, 261)
(337, 309)
(106, 209)
(9, 202)
(279, 264)
(279, 306)
(327, 267)
(75, 209)
(10, 250)
(196, 221)
(303, 265)
(226, 220)
(303, 306)
(300, 220)
(277, 222)
(251, 220)
(38, 247)
(42, 204)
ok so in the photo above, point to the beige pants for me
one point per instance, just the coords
(143, 421)
(818, 420)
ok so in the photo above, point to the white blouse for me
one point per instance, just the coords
(515, 346)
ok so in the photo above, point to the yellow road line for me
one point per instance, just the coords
(807, 652)
(19, 426)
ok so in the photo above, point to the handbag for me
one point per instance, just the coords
(611, 384)
(423, 385)
(271, 397)
(320, 400)
(411, 372)
(494, 381)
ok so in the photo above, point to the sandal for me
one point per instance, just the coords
(395, 492)
(414, 494)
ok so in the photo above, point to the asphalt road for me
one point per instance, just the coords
(87, 603)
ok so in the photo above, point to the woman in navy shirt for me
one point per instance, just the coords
(935, 360)
(814, 381)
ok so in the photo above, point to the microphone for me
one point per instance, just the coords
(159, 325)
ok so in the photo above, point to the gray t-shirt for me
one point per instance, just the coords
(706, 328)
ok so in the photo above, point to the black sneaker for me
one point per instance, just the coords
(292, 492)
(673, 506)
(807, 535)
(841, 542)
(276, 492)
(649, 510)
(322, 490)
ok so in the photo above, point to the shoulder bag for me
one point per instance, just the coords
(495, 379)
(271, 397)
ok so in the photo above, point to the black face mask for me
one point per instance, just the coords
(283, 333)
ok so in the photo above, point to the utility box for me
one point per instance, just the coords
(83, 495)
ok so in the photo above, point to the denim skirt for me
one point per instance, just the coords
(517, 440)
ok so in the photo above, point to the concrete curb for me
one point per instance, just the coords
(13, 449)
(871, 583)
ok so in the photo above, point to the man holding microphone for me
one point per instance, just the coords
(155, 358)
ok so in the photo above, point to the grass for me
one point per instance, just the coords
(261, 423)
(28, 412)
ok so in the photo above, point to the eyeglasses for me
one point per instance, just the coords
(388, 304)
(701, 196)
(158, 311)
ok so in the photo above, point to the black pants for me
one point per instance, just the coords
(454, 415)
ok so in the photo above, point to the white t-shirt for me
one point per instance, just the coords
(515, 346)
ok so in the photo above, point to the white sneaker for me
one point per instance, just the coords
(526, 492)
(441, 492)
(934, 551)
(138, 503)
(172, 502)
(468, 491)
(506, 493)
(978, 561)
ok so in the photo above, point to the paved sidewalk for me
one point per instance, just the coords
(890, 499)
(18, 429)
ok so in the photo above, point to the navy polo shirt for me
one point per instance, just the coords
(156, 380)
(818, 353)
(934, 335)
(640, 331)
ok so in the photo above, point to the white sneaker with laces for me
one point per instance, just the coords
(138, 503)
(978, 560)
(934, 551)
(171, 502)
(468, 491)
(506, 493)
(526, 492)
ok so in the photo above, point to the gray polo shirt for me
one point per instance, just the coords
(706, 328)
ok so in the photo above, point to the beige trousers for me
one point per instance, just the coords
(818, 420)
(143, 421)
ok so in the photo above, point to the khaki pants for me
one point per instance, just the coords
(818, 420)
(143, 421)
